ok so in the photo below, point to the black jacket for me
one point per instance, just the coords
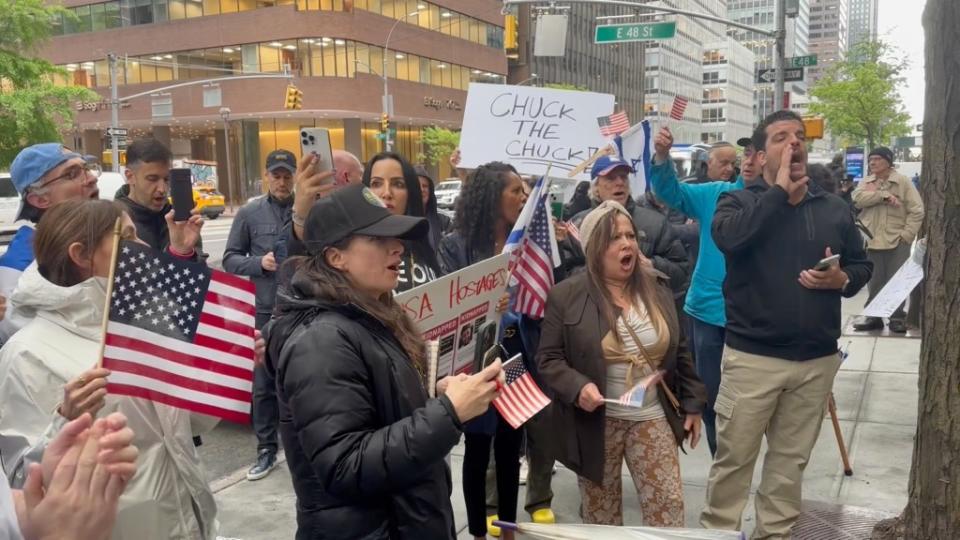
(364, 444)
(151, 225)
(767, 243)
(254, 233)
(659, 245)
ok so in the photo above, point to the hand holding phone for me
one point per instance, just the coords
(316, 141)
(827, 262)
(181, 191)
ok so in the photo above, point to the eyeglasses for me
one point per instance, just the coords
(75, 173)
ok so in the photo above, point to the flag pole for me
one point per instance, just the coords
(109, 299)
(605, 151)
(513, 258)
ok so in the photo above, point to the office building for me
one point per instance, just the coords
(863, 22)
(762, 14)
(828, 35)
(334, 51)
(607, 68)
(727, 105)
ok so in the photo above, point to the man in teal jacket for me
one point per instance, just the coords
(704, 303)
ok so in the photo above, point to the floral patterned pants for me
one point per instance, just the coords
(650, 451)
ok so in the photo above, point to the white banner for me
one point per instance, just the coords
(896, 291)
(451, 309)
(532, 128)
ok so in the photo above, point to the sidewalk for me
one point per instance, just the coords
(876, 395)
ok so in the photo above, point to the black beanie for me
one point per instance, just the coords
(883, 152)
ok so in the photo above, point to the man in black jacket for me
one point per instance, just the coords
(250, 252)
(657, 243)
(146, 198)
(783, 322)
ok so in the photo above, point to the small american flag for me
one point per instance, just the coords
(679, 106)
(633, 397)
(573, 231)
(521, 399)
(614, 124)
(534, 264)
(180, 334)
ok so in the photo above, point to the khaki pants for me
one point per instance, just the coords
(784, 400)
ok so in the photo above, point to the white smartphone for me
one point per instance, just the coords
(317, 141)
(827, 262)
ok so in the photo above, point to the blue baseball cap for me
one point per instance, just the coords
(33, 162)
(606, 164)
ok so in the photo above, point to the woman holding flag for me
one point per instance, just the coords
(487, 210)
(613, 331)
(46, 378)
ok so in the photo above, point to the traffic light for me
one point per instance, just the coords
(294, 98)
(384, 122)
(813, 127)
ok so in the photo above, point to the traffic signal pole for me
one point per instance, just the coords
(114, 115)
(780, 57)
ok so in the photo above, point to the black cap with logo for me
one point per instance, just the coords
(744, 142)
(355, 210)
(281, 159)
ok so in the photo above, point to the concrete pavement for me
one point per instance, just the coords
(876, 395)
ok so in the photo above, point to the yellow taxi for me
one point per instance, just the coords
(208, 201)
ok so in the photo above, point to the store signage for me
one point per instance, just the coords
(440, 104)
(94, 106)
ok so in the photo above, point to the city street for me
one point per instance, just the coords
(215, 232)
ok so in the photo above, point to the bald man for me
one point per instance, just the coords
(348, 167)
(720, 164)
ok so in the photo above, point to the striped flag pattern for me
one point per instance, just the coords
(679, 106)
(614, 124)
(534, 264)
(180, 334)
(521, 398)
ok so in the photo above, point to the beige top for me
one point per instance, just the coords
(626, 365)
(889, 224)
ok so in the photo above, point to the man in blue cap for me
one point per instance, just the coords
(611, 181)
(44, 175)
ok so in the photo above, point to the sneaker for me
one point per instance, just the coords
(491, 528)
(544, 516)
(524, 471)
(898, 327)
(869, 324)
(266, 462)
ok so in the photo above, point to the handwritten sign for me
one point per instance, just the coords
(896, 290)
(532, 128)
(451, 309)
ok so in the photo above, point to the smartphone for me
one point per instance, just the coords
(556, 206)
(181, 191)
(317, 141)
(486, 340)
(827, 262)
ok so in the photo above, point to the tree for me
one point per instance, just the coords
(440, 143)
(32, 109)
(933, 505)
(859, 96)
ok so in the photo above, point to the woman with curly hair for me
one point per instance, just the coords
(487, 208)
(394, 180)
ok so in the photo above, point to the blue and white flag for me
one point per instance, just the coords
(16, 259)
(633, 146)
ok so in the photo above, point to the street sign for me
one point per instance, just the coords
(800, 61)
(120, 132)
(769, 75)
(906, 142)
(620, 33)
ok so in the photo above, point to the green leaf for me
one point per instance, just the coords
(440, 143)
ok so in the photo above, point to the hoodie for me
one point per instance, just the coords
(151, 224)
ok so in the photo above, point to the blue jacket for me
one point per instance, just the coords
(699, 201)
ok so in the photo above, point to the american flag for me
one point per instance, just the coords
(180, 334)
(534, 264)
(633, 397)
(521, 398)
(679, 105)
(614, 124)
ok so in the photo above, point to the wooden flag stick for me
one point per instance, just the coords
(106, 305)
(605, 151)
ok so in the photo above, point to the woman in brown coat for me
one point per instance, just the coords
(607, 330)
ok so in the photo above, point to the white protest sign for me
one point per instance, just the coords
(451, 310)
(532, 128)
(896, 290)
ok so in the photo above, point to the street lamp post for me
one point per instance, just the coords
(225, 114)
(387, 102)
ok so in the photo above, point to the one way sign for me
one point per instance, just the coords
(769, 75)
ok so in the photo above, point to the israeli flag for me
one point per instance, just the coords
(539, 195)
(633, 146)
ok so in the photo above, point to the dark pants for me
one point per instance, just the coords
(706, 340)
(539, 467)
(886, 262)
(506, 450)
(266, 410)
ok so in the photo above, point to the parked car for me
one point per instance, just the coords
(447, 193)
(209, 202)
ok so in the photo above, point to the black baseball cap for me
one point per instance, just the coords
(744, 142)
(356, 210)
(281, 159)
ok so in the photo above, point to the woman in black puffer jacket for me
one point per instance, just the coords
(364, 443)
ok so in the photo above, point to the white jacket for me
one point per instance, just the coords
(169, 497)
